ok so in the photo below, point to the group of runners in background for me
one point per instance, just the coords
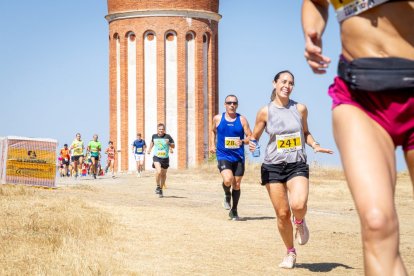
(73, 161)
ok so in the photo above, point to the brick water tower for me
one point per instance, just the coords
(163, 68)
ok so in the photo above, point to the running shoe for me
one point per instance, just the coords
(157, 190)
(302, 232)
(233, 215)
(160, 194)
(226, 203)
(289, 261)
(94, 176)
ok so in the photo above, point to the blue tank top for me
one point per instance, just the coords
(227, 135)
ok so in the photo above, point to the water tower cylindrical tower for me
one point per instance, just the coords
(163, 68)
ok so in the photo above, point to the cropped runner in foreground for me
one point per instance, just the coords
(284, 170)
(373, 111)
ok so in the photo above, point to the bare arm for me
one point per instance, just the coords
(213, 133)
(172, 145)
(314, 19)
(150, 147)
(309, 139)
(247, 131)
(259, 126)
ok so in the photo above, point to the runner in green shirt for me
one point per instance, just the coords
(94, 147)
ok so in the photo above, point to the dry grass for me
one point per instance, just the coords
(41, 234)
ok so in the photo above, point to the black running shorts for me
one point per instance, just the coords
(236, 167)
(281, 173)
(76, 158)
(165, 162)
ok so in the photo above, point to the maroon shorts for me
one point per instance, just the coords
(393, 110)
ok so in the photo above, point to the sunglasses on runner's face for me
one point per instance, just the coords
(232, 103)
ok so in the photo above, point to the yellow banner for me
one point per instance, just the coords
(32, 156)
(33, 170)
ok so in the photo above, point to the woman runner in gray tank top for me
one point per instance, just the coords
(284, 170)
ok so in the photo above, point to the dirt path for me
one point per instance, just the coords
(188, 231)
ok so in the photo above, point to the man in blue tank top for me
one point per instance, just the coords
(230, 131)
(138, 149)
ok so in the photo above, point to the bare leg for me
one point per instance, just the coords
(368, 158)
(141, 166)
(279, 198)
(236, 183)
(137, 166)
(409, 158)
(112, 166)
(93, 165)
(158, 170)
(163, 177)
(80, 165)
(228, 178)
(298, 196)
(75, 166)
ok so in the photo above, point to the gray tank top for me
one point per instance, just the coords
(287, 142)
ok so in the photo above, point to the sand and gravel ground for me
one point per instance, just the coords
(188, 231)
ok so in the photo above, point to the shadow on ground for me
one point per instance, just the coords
(322, 267)
(255, 218)
(174, 197)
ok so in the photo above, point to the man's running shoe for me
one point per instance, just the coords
(226, 203)
(289, 261)
(302, 232)
(94, 176)
(157, 190)
(233, 215)
(160, 194)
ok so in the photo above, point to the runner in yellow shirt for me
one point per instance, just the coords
(77, 148)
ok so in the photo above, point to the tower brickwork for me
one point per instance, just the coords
(163, 68)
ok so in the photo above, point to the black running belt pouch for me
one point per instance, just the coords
(377, 74)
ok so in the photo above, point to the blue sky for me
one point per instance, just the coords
(54, 67)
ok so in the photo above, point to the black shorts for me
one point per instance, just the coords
(65, 162)
(75, 158)
(165, 162)
(236, 167)
(281, 173)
